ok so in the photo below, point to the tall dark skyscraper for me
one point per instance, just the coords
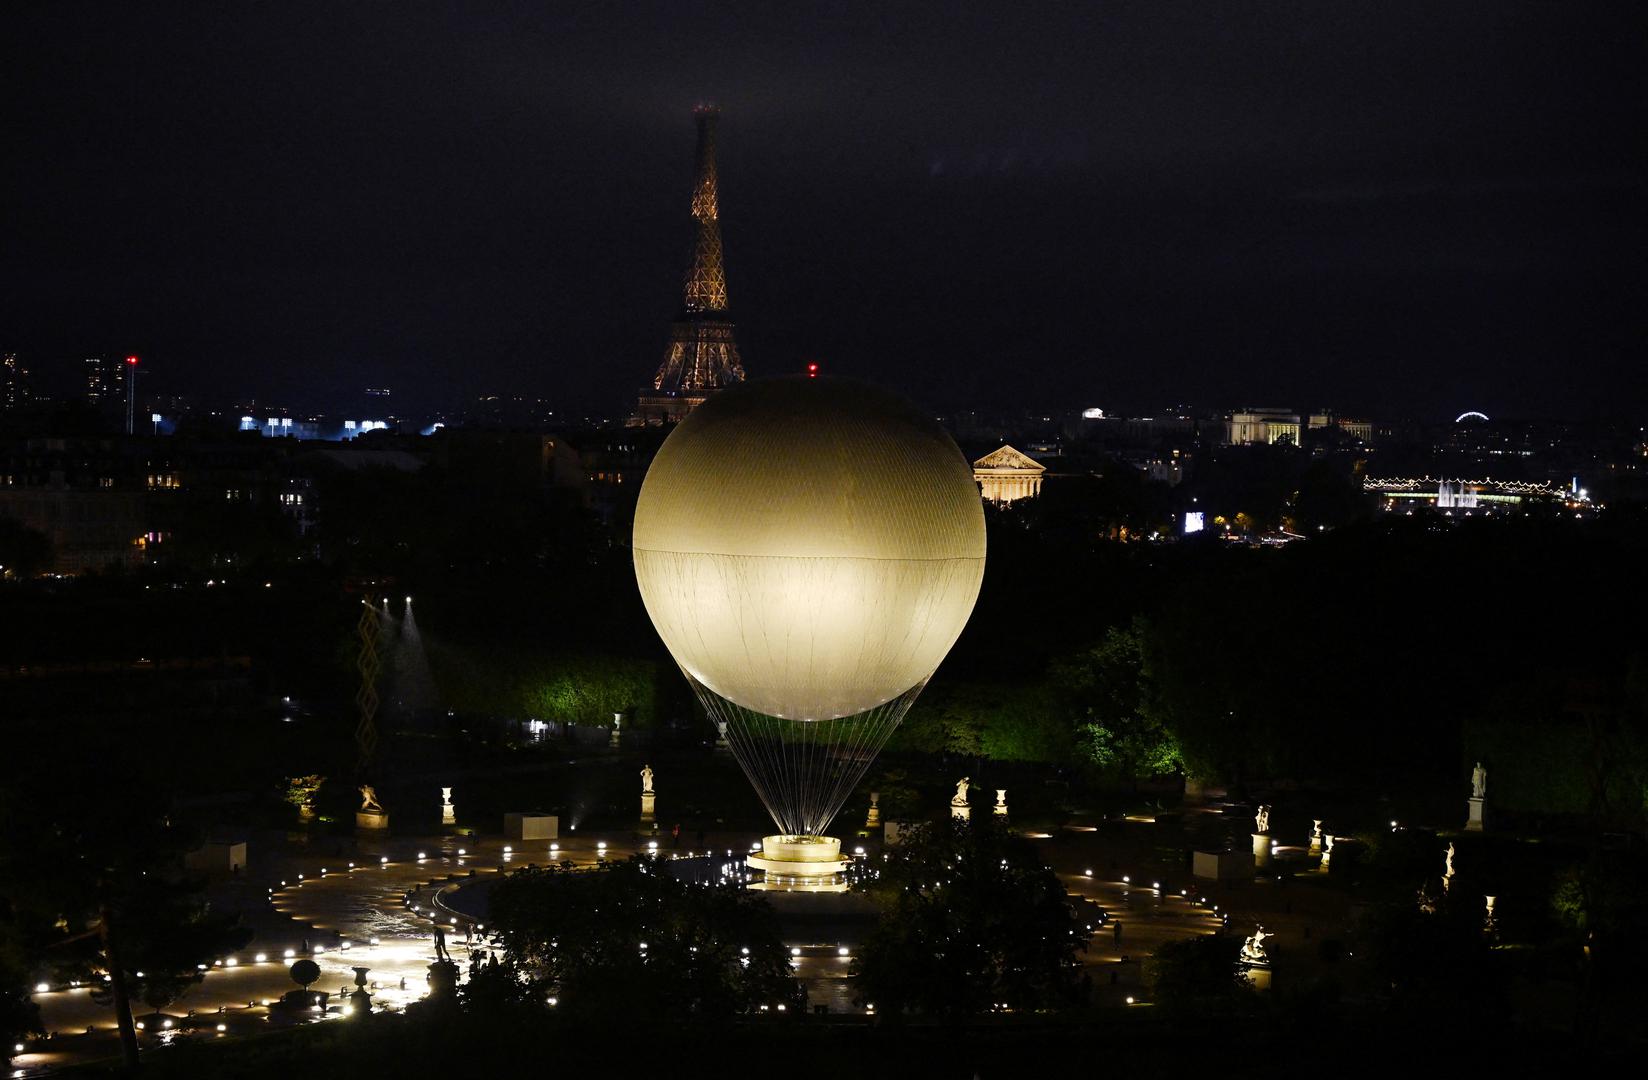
(702, 356)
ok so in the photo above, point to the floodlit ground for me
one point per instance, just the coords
(379, 914)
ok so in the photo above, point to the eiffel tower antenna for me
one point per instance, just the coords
(702, 356)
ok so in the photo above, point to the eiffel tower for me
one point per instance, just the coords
(702, 356)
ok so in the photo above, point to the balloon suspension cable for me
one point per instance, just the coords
(804, 770)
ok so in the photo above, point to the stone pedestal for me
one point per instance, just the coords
(532, 825)
(872, 820)
(1001, 802)
(1257, 977)
(649, 807)
(961, 811)
(1222, 865)
(1261, 849)
(443, 980)
(449, 814)
(372, 820)
(721, 736)
(1475, 822)
(361, 1000)
(615, 739)
(218, 857)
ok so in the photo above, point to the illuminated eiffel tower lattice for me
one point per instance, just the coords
(702, 356)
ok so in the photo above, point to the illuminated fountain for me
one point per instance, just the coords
(809, 550)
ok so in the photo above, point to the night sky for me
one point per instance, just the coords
(1403, 209)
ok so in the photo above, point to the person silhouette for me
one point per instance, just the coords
(440, 944)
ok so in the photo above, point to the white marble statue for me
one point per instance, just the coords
(646, 779)
(1479, 782)
(369, 800)
(721, 729)
(1261, 820)
(446, 796)
(1253, 950)
(1316, 830)
(1001, 796)
(875, 800)
(1447, 871)
(961, 792)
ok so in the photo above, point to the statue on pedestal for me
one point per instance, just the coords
(369, 800)
(1479, 782)
(873, 818)
(1253, 950)
(961, 792)
(1316, 832)
(646, 779)
(446, 796)
(1447, 870)
(1261, 820)
(1001, 800)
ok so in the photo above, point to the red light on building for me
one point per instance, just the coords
(132, 360)
(812, 371)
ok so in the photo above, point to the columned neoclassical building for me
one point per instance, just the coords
(1004, 476)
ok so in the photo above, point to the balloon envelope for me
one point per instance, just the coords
(809, 548)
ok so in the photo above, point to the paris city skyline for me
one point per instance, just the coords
(1356, 209)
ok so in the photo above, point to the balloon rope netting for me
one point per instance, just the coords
(804, 770)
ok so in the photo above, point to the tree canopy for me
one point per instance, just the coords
(972, 919)
(630, 939)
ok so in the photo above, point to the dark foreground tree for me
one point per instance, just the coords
(18, 1014)
(1199, 974)
(972, 919)
(24, 552)
(629, 939)
(97, 892)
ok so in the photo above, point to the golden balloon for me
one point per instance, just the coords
(809, 548)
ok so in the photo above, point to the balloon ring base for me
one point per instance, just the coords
(799, 864)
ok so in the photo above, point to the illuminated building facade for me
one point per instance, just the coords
(1005, 476)
(702, 356)
(1263, 427)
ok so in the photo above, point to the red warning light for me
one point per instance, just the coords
(812, 371)
(132, 360)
